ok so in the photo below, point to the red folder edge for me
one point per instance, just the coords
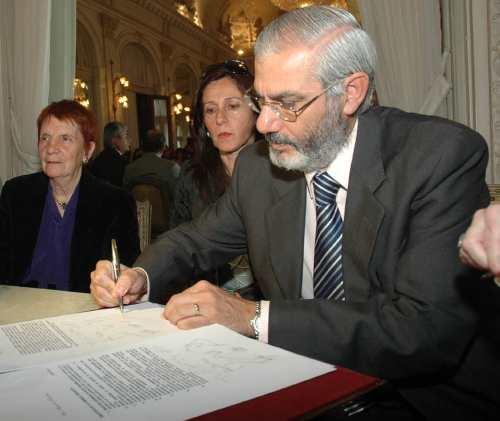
(311, 396)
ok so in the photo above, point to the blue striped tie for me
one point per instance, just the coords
(328, 274)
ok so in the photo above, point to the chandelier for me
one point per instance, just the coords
(294, 4)
(189, 10)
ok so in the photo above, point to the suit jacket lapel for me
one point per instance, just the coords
(85, 215)
(364, 213)
(33, 202)
(285, 225)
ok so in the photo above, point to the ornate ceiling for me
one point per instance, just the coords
(238, 22)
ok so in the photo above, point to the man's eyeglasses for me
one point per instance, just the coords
(236, 67)
(286, 111)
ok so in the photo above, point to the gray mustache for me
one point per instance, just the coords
(278, 139)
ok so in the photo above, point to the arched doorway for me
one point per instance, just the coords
(139, 66)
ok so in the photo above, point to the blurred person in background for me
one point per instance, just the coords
(151, 162)
(152, 170)
(110, 164)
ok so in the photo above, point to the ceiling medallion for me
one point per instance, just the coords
(294, 4)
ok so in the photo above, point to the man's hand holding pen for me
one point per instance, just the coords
(131, 285)
(200, 305)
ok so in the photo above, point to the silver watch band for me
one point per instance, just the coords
(254, 322)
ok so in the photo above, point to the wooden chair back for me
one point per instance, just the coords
(144, 219)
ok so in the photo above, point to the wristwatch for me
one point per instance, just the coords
(255, 321)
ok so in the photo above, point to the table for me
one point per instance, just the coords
(299, 401)
(18, 304)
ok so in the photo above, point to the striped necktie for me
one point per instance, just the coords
(328, 273)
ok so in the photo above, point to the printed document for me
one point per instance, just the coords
(156, 373)
(171, 377)
(56, 338)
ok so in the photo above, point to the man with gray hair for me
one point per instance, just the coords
(110, 164)
(351, 229)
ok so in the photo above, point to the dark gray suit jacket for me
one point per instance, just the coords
(413, 312)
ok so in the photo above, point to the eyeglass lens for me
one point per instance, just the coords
(286, 113)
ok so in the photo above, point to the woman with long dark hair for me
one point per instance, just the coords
(223, 124)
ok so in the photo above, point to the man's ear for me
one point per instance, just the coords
(355, 90)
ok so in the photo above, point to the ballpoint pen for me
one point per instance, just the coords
(115, 261)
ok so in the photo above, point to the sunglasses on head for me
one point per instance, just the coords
(236, 67)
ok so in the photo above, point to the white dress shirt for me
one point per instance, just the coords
(339, 169)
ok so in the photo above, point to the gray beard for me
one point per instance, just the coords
(317, 149)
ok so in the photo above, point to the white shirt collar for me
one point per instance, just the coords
(340, 168)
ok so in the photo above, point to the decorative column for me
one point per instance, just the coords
(167, 52)
(109, 27)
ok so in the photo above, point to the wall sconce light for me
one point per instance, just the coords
(122, 100)
(179, 107)
(124, 81)
(80, 92)
(119, 98)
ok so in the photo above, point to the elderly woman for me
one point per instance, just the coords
(56, 224)
(223, 124)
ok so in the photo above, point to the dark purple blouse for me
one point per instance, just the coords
(50, 265)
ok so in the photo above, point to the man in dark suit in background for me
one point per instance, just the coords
(378, 194)
(110, 164)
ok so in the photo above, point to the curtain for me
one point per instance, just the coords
(28, 30)
(4, 96)
(62, 49)
(410, 70)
